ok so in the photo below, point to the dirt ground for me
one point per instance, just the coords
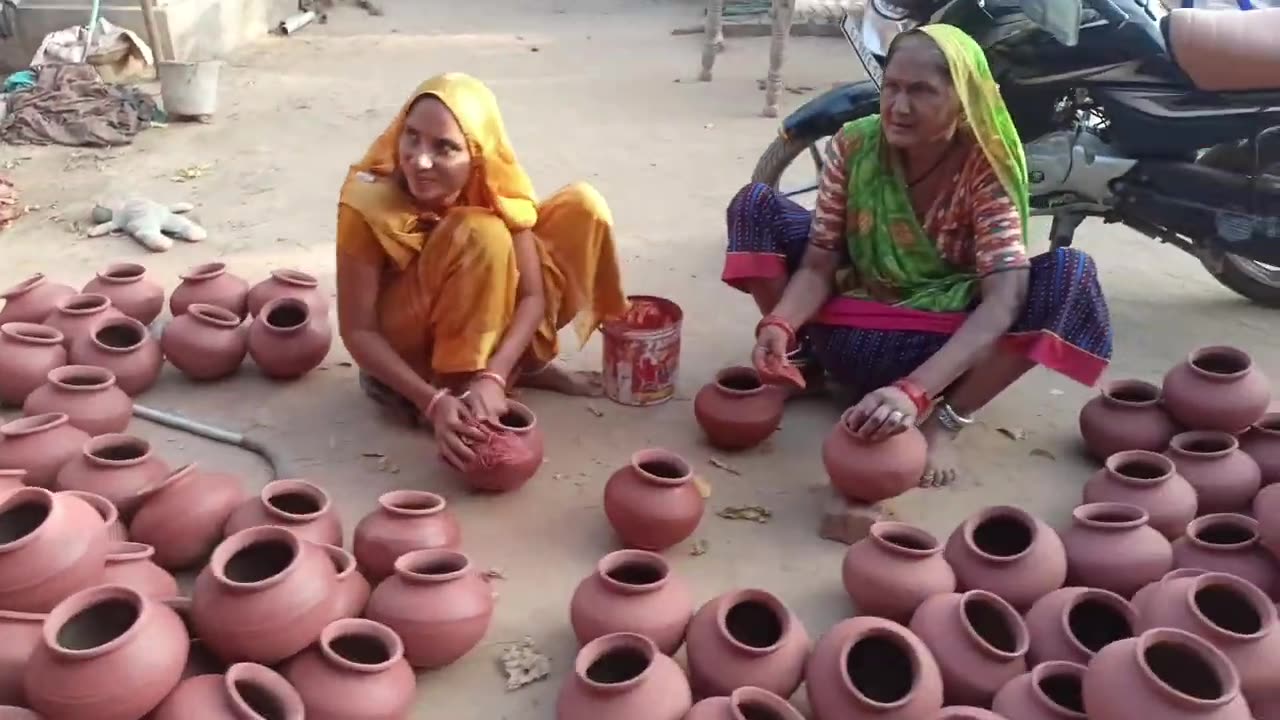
(596, 90)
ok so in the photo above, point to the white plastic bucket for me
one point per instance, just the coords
(189, 89)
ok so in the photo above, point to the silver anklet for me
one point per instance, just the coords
(952, 420)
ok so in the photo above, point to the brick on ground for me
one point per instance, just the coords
(847, 522)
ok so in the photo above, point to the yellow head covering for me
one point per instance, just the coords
(498, 183)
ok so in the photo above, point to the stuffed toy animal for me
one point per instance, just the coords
(147, 221)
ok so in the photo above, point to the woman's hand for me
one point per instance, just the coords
(486, 399)
(881, 414)
(771, 342)
(454, 426)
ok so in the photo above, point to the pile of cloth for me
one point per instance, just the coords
(71, 105)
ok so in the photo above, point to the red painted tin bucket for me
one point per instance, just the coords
(642, 352)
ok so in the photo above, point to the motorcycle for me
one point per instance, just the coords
(1128, 112)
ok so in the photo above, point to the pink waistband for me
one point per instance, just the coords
(871, 315)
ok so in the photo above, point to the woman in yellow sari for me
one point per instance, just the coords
(452, 279)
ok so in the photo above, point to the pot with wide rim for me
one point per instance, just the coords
(116, 466)
(1150, 481)
(869, 668)
(1217, 388)
(979, 641)
(1051, 691)
(211, 284)
(1227, 543)
(182, 516)
(356, 671)
(1111, 546)
(76, 316)
(32, 300)
(894, 569)
(653, 502)
(41, 445)
(88, 395)
(746, 637)
(624, 677)
(298, 505)
(206, 342)
(247, 691)
(632, 591)
(130, 290)
(737, 410)
(125, 347)
(287, 282)
(1126, 415)
(27, 353)
(1225, 478)
(1074, 623)
(1008, 551)
(405, 520)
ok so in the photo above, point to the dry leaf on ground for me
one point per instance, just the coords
(699, 547)
(753, 513)
(721, 465)
(523, 664)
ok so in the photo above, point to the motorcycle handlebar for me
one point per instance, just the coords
(1111, 12)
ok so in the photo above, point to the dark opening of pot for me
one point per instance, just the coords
(258, 561)
(1229, 609)
(1221, 362)
(880, 669)
(1142, 470)
(121, 337)
(618, 666)
(515, 420)
(908, 540)
(122, 451)
(260, 700)
(36, 332)
(126, 272)
(20, 520)
(1064, 690)
(991, 624)
(97, 624)
(1002, 536)
(755, 710)
(1208, 445)
(1184, 670)
(1225, 532)
(296, 503)
(743, 381)
(1115, 515)
(754, 624)
(287, 315)
(636, 573)
(84, 380)
(417, 502)
(440, 566)
(87, 303)
(360, 649)
(1096, 624)
(665, 469)
(1135, 393)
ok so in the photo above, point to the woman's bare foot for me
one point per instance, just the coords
(941, 467)
(556, 378)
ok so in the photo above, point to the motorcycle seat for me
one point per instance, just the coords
(1226, 50)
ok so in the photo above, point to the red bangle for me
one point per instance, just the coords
(916, 393)
(781, 324)
(431, 404)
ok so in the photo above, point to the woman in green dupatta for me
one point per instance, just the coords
(910, 283)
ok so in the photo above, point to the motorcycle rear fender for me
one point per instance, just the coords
(827, 113)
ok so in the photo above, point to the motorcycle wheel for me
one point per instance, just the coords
(1256, 281)
(780, 154)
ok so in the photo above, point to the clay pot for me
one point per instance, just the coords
(19, 634)
(1074, 623)
(123, 346)
(129, 564)
(356, 672)
(117, 467)
(1150, 481)
(1009, 552)
(405, 520)
(1229, 544)
(288, 340)
(1126, 415)
(248, 691)
(206, 342)
(979, 641)
(624, 677)
(868, 472)
(87, 394)
(76, 316)
(437, 603)
(746, 703)
(1217, 388)
(102, 507)
(1262, 443)
(632, 591)
(1110, 546)
(12, 479)
(1225, 479)
(891, 571)
(107, 652)
(300, 506)
(27, 353)
(1167, 674)
(653, 503)
(288, 283)
(182, 517)
(130, 290)
(41, 445)
(55, 545)
(210, 284)
(265, 595)
(1143, 596)
(871, 668)
(353, 588)
(511, 454)
(1266, 508)
(1051, 691)
(746, 638)
(737, 411)
(31, 300)
(199, 661)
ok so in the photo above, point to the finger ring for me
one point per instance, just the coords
(896, 416)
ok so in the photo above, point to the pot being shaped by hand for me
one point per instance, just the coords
(737, 410)
(869, 668)
(1227, 543)
(20, 632)
(118, 467)
(746, 703)
(632, 591)
(746, 638)
(1110, 546)
(1074, 623)
(123, 346)
(130, 291)
(1262, 443)
(1126, 415)
(41, 445)
(978, 640)
(356, 671)
(300, 506)
(1051, 691)
(869, 472)
(27, 353)
(1009, 552)
(76, 316)
(87, 394)
(894, 569)
(129, 565)
(183, 515)
(206, 342)
(353, 588)
(405, 520)
(288, 282)
(1225, 479)
(31, 300)
(210, 284)
(247, 691)
(511, 453)
(624, 677)
(288, 339)
(653, 502)
(1150, 481)
(1217, 388)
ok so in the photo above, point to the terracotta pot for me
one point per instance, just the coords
(76, 316)
(405, 520)
(300, 506)
(32, 300)
(1217, 388)
(746, 638)
(1227, 543)
(1009, 552)
(624, 677)
(356, 672)
(746, 703)
(210, 284)
(979, 641)
(102, 507)
(1167, 674)
(737, 411)
(27, 353)
(206, 342)
(870, 472)
(1266, 508)
(1143, 596)
(1126, 415)
(353, 588)
(12, 479)
(870, 668)
(200, 661)
(1110, 546)
(891, 571)
(123, 346)
(248, 691)
(129, 564)
(288, 283)
(130, 290)
(1150, 481)
(1074, 623)
(265, 595)
(288, 340)
(1262, 443)
(88, 395)
(41, 445)
(107, 653)
(1051, 691)
(19, 634)
(1225, 479)
(653, 503)
(511, 454)
(437, 603)
(117, 467)
(182, 517)
(632, 591)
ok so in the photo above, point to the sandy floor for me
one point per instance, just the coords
(598, 91)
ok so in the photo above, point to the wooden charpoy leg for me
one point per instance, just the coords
(713, 37)
(783, 14)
